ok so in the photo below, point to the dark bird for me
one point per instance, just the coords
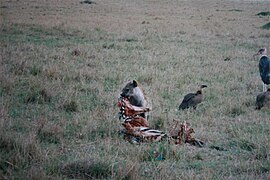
(264, 67)
(192, 99)
(263, 99)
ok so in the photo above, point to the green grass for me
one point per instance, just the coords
(51, 37)
(59, 108)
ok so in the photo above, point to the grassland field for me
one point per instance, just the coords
(63, 64)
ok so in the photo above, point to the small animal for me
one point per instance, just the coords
(263, 99)
(192, 99)
(135, 95)
(264, 67)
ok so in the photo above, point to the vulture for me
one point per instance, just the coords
(264, 67)
(263, 100)
(192, 99)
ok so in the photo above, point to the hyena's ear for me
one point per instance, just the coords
(135, 84)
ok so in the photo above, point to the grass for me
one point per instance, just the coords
(60, 80)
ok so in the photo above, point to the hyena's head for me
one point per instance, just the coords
(134, 93)
(129, 90)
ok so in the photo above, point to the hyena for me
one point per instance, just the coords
(135, 95)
